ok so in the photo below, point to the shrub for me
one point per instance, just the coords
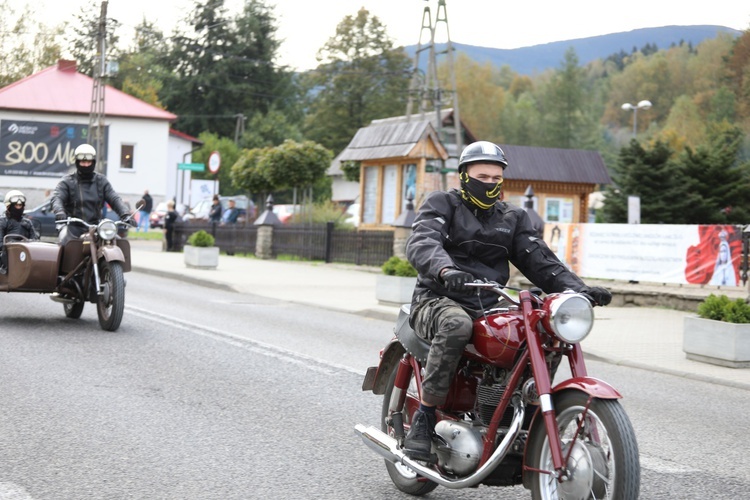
(398, 267)
(201, 239)
(720, 308)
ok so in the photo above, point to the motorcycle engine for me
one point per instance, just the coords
(461, 447)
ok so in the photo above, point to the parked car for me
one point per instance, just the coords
(156, 219)
(43, 217)
(200, 210)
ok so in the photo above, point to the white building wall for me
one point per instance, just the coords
(151, 163)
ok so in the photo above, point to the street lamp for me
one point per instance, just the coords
(641, 105)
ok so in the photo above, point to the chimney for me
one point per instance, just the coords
(66, 65)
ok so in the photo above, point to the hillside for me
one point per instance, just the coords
(537, 58)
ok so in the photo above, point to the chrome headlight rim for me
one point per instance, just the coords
(107, 230)
(570, 317)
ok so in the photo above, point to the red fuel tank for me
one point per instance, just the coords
(499, 338)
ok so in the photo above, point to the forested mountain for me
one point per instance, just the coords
(537, 58)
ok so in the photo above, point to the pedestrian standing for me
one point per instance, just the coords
(144, 213)
(170, 219)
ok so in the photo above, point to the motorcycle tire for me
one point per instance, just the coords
(73, 311)
(604, 456)
(111, 303)
(403, 477)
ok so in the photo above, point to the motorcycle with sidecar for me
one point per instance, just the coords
(85, 269)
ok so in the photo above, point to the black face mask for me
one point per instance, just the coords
(15, 211)
(481, 194)
(86, 172)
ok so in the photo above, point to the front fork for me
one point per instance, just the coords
(544, 384)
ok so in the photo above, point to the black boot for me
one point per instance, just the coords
(418, 442)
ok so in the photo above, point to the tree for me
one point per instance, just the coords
(141, 72)
(481, 96)
(224, 69)
(655, 178)
(229, 154)
(564, 115)
(83, 39)
(361, 77)
(270, 129)
(290, 165)
(721, 186)
(26, 46)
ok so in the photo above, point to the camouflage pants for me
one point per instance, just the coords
(448, 327)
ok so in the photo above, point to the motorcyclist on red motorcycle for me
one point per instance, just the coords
(82, 194)
(459, 236)
(12, 221)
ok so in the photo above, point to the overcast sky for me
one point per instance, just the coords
(305, 25)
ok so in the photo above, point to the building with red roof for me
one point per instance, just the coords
(45, 116)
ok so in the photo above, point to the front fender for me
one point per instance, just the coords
(590, 385)
(112, 253)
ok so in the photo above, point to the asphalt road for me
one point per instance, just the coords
(207, 394)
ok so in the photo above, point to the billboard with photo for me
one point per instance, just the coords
(31, 148)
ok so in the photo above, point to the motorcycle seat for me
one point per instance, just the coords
(413, 343)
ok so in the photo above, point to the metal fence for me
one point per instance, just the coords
(311, 242)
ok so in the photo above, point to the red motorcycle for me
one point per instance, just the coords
(504, 422)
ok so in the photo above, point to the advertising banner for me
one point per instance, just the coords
(650, 252)
(29, 148)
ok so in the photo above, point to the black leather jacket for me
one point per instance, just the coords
(9, 225)
(448, 232)
(84, 198)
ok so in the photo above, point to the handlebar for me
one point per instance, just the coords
(499, 289)
(76, 220)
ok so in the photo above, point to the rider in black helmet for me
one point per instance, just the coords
(82, 194)
(459, 236)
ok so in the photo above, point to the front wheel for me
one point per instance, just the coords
(601, 448)
(111, 303)
(404, 478)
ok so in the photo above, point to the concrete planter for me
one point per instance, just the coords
(391, 290)
(717, 342)
(201, 257)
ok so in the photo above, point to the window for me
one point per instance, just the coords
(126, 156)
(386, 189)
(558, 210)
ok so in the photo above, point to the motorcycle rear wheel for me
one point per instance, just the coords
(604, 461)
(111, 303)
(403, 477)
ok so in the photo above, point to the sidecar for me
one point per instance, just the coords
(32, 267)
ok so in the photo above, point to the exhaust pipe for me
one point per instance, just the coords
(386, 446)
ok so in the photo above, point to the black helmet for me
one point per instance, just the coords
(482, 151)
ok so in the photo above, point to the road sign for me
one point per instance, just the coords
(214, 162)
(195, 167)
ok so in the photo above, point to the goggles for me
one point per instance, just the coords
(17, 199)
(85, 157)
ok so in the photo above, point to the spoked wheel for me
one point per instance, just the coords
(402, 476)
(601, 451)
(73, 310)
(111, 303)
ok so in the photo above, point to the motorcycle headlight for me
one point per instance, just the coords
(107, 230)
(569, 316)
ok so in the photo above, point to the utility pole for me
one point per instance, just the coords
(96, 116)
(425, 87)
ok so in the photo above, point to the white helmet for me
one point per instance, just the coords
(85, 152)
(14, 196)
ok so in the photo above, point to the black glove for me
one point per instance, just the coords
(127, 219)
(454, 280)
(599, 296)
(60, 216)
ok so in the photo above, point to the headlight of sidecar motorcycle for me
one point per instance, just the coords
(107, 230)
(569, 316)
